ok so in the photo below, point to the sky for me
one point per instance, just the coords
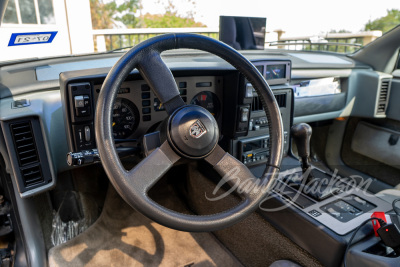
(296, 18)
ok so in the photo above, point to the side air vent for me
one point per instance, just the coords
(26, 153)
(257, 105)
(383, 97)
(24, 143)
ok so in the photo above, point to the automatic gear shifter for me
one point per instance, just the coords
(301, 134)
(314, 178)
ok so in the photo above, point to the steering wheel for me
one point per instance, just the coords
(192, 133)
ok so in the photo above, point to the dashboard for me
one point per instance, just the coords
(57, 97)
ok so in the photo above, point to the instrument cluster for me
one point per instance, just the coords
(137, 110)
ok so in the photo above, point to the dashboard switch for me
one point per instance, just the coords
(249, 90)
(82, 105)
(79, 103)
(87, 133)
(244, 114)
(360, 200)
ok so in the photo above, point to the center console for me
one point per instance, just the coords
(320, 211)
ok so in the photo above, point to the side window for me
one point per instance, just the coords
(29, 12)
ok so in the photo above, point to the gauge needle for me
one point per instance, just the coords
(113, 124)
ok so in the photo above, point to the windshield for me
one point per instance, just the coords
(45, 28)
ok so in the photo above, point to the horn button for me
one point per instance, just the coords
(193, 131)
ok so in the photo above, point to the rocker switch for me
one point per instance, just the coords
(87, 133)
(82, 105)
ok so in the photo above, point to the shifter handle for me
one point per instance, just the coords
(301, 134)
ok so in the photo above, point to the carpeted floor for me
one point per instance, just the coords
(124, 237)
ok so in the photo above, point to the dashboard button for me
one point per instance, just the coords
(86, 101)
(146, 117)
(83, 112)
(249, 90)
(87, 134)
(79, 102)
(146, 110)
(146, 103)
(244, 114)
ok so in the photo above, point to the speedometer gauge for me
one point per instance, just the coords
(209, 101)
(125, 118)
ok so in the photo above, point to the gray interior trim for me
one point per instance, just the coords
(319, 73)
(52, 72)
(374, 142)
(46, 106)
(30, 225)
(334, 161)
(393, 108)
(356, 256)
(319, 104)
(396, 73)
(363, 93)
(317, 117)
(381, 54)
(34, 239)
(328, 59)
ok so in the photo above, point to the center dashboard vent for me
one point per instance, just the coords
(383, 97)
(26, 153)
(257, 105)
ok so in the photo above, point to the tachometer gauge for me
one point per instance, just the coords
(209, 101)
(125, 118)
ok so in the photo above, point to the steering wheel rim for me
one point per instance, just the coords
(134, 184)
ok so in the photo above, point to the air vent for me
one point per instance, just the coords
(257, 105)
(26, 153)
(281, 99)
(24, 143)
(383, 97)
(32, 175)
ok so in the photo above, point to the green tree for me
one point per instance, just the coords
(104, 15)
(168, 20)
(385, 23)
(171, 18)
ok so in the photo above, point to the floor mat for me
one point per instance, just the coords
(124, 237)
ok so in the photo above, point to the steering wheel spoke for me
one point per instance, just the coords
(160, 78)
(144, 175)
(234, 173)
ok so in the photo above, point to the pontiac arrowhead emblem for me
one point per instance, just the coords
(197, 129)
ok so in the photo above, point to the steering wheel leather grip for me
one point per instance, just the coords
(133, 185)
